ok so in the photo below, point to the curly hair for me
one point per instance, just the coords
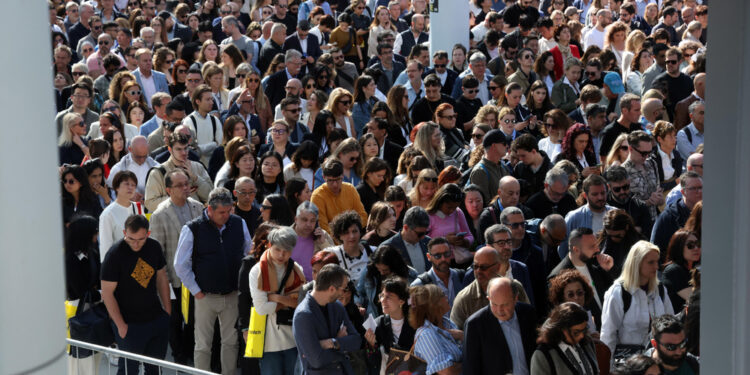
(568, 142)
(343, 221)
(558, 283)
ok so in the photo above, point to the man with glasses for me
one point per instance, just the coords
(150, 81)
(554, 197)
(642, 171)
(586, 257)
(209, 253)
(281, 14)
(676, 214)
(526, 252)
(477, 68)
(336, 196)
(412, 240)
(679, 85)
(192, 81)
(95, 62)
(96, 29)
(291, 108)
(306, 43)
(669, 346)
(630, 113)
(346, 72)
(490, 262)
(619, 196)
(149, 9)
(450, 280)
(81, 28)
(166, 223)
(591, 214)
(135, 290)
(440, 68)
(81, 98)
(71, 15)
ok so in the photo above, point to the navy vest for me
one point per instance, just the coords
(217, 256)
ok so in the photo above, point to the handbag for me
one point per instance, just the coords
(256, 335)
(284, 316)
(400, 361)
(91, 325)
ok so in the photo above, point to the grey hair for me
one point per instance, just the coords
(243, 180)
(507, 211)
(278, 27)
(416, 217)
(283, 237)
(490, 232)
(80, 66)
(571, 62)
(232, 20)
(694, 106)
(291, 55)
(145, 30)
(556, 175)
(85, 4)
(220, 197)
(477, 57)
(244, 68)
(553, 221)
(689, 174)
(308, 206)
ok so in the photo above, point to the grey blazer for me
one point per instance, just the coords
(165, 228)
(540, 362)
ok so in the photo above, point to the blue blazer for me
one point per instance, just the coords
(148, 127)
(398, 242)
(160, 81)
(309, 326)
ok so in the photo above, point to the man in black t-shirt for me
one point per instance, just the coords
(135, 290)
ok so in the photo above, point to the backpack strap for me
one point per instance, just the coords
(213, 125)
(688, 134)
(627, 299)
(545, 350)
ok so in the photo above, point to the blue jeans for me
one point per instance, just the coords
(149, 339)
(279, 363)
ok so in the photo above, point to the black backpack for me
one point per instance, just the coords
(627, 298)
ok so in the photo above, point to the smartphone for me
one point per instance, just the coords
(462, 234)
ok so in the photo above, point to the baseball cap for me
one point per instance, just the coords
(614, 82)
(571, 11)
(494, 136)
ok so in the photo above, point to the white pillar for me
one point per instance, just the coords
(725, 295)
(449, 25)
(32, 314)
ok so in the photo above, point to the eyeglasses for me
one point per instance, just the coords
(170, 61)
(477, 136)
(246, 193)
(672, 347)
(643, 153)
(517, 225)
(513, 121)
(445, 255)
(440, 66)
(507, 242)
(472, 91)
(450, 117)
(134, 92)
(483, 267)
(79, 73)
(694, 188)
(575, 293)
(590, 74)
(672, 62)
(618, 189)
(693, 245)
(278, 131)
(431, 179)
(333, 180)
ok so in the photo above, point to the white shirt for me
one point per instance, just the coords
(546, 44)
(303, 44)
(149, 88)
(585, 272)
(112, 224)
(551, 149)
(352, 265)
(666, 163)
(594, 38)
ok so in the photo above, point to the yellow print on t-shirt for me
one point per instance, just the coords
(142, 273)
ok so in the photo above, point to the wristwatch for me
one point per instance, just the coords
(336, 344)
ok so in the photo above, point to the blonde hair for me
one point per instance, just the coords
(614, 153)
(631, 270)
(346, 146)
(634, 41)
(484, 111)
(335, 97)
(423, 142)
(414, 195)
(425, 305)
(691, 28)
(66, 135)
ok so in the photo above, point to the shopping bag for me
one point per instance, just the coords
(256, 335)
(185, 303)
(403, 362)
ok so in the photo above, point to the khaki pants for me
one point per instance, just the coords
(207, 310)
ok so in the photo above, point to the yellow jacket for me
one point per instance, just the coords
(330, 205)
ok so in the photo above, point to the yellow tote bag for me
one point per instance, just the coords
(185, 303)
(70, 311)
(256, 335)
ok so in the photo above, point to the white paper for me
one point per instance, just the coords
(370, 323)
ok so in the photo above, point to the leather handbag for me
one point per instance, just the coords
(91, 325)
(400, 361)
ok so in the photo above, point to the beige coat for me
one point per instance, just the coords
(156, 191)
(165, 228)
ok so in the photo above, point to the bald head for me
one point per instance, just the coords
(695, 163)
(652, 109)
(183, 129)
(509, 191)
(487, 253)
(294, 82)
(501, 298)
(139, 148)
(699, 82)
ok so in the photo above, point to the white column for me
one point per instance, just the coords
(725, 305)
(449, 25)
(32, 314)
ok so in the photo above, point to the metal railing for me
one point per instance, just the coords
(161, 364)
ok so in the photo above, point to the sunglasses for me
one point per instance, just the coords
(509, 121)
(643, 153)
(445, 255)
(477, 136)
(673, 347)
(266, 207)
(520, 224)
(134, 92)
(97, 27)
(181, 71)
(103, 43)
(254, 80)
(323, 77)
(493, 88)
(421, 234)
(69, 181)
(278, 131)
(440, 66)
(431, 179)
(109, 109)
(590, 74)
(353, 159)
(472, 91)
(345, 102)
(672, 62)
(294, 110)
(241, 76)
(618, 189)
(693, 245)
(483, 267)
(527, 57)
(170, 61)
(79, 73)
(310, 86)
(623, 148)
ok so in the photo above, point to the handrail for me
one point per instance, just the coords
(138, 357)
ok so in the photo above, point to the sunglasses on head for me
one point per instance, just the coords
(618, 189)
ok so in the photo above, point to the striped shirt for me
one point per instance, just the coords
(436, 346)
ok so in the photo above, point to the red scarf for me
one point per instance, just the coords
(268, 282)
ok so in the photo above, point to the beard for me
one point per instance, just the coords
(670, 359)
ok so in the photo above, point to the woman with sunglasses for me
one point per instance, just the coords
(73, 142)
(526, 122)
(339, 103)
(269, 179)
(77, 196)
(683, 255)
(280, 143)
(619, 152)
(564, 344)
(349, 154)
(275, 209)
(447, 220)
(571, 286)
(424, 189)
(131, 92)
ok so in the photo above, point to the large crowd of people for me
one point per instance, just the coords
(306, 187)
